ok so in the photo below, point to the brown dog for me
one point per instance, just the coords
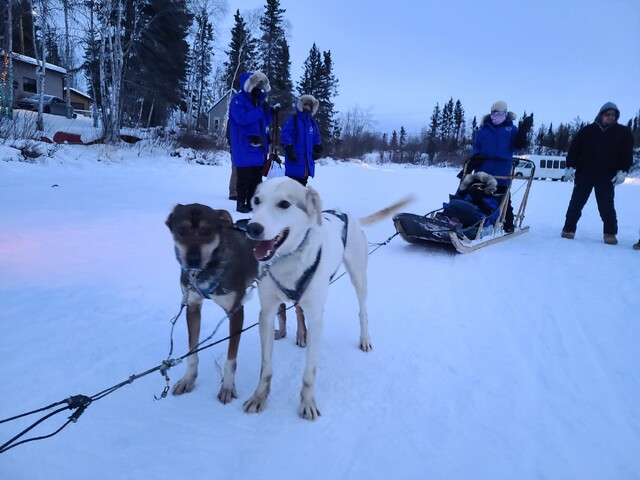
(217, 262)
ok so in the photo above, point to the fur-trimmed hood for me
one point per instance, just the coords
(308, 98)
(510, 116)
(251, 80)
(490, 183)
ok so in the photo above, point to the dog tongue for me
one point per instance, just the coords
(264, 249)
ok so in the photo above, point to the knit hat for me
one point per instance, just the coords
(499, 105)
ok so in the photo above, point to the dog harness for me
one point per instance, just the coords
(345, 221)
(205, 281)
(303, 282)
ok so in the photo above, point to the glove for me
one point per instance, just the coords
(460, 174)
(317, 152)
(569, 175)
(619, 178)
(291, 155)
(275, 108)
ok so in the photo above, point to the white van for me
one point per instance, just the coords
(547, 167)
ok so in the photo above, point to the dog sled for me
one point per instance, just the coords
(466, 222)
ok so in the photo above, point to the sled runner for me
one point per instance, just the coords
(467, 222)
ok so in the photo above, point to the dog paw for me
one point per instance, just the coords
(256, 404)
(280, 334)
(308, 410)
(184, 385)
(365, 344)
(301, 340)
(226, 394)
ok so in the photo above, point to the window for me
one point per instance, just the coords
(29, 85)
(216, 123)
(543, 164)
(556, 164)
(563, 164)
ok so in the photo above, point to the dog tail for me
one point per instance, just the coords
(385, 212)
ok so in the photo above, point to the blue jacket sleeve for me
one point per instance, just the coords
(287, 132)
(244, 113)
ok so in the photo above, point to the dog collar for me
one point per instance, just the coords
(207, 286)
(303, 282)
(206, 281)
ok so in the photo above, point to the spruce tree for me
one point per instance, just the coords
(201, 61)
(156, 64)
(242, 53)
(434, 133)
(318, 80)
(276, 64)
(458, 121)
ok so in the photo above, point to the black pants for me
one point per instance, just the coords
(248, 180)
(508, 218)
(301, 181)
(605, 194)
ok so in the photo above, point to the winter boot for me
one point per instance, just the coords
(569, 235)
(610, 239)
(242, 207)
(636, 246)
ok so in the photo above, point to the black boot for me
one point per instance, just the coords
(242, 207)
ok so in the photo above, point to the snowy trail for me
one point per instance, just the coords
(516, 361)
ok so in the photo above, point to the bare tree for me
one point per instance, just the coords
(6, 75)
(41, 17)
(67, 55)
(111, 13)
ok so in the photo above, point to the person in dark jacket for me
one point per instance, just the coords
(494, 145)
(249, 117)
(599, 157)
(301, 140)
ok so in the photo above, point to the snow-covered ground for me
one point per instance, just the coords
(518, 361)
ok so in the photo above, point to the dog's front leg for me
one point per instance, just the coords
(258, 401)
(308, 408)
(187, 382)
(282, 322)
(301, 333)
(228, 389)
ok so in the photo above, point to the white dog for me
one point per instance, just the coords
(300, 248)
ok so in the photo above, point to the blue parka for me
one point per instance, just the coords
(303, 135)
(496, 144)
(248, 120)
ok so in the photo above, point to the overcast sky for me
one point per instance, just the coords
(556, 58)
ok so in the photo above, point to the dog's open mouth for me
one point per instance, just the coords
(265, 249)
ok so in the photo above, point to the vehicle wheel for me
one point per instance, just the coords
(519, 174)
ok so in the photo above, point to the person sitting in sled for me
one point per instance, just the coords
(473, 201)
(494, 146)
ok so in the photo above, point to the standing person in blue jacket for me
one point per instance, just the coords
(249, 117)
(600, 155)
(493, 148)
(301, 140)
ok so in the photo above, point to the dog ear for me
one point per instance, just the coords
(170, 217)
(224, 217)
(314, 204)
